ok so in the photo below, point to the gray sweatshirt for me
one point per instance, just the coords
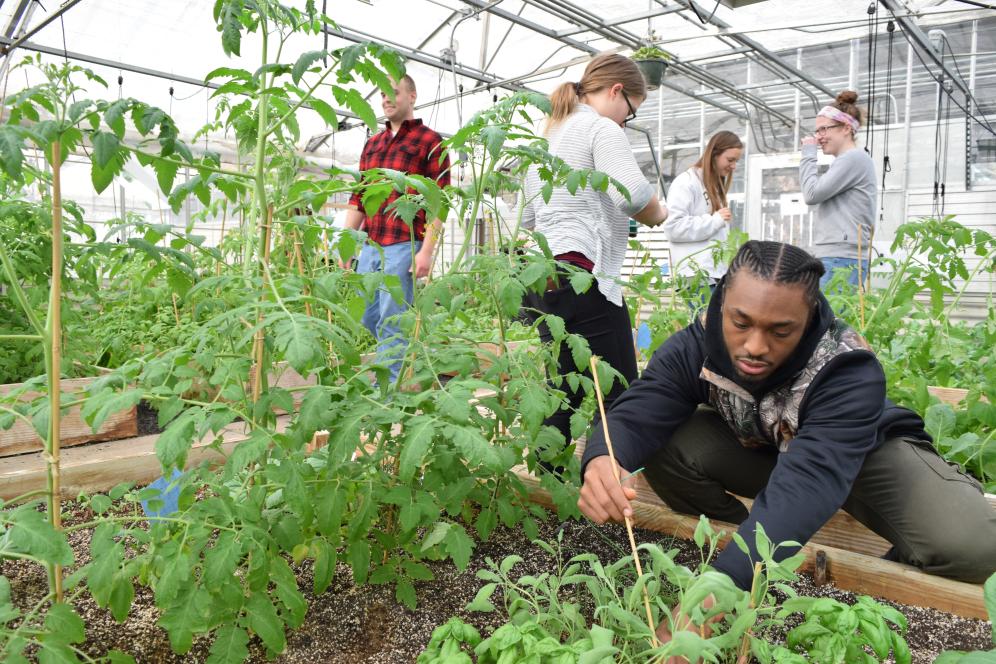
(845, 198)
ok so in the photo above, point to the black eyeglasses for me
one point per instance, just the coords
(632, 111)
(821, 131)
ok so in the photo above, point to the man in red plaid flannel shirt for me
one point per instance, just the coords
(407, 145)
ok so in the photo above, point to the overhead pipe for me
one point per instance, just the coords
(6, 49)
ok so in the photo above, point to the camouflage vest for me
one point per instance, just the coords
(775, 419)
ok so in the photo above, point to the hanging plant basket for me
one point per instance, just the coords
(653, 71)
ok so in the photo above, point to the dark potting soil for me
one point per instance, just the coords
(353, 624)
(148, 419)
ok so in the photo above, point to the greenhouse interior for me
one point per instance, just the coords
(415, 331)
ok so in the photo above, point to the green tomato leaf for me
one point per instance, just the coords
(264, 621)
(11, 151)
(419, 432)
(459, 545)
(31, 533)
(230, 646)
(304, 63)
(63, 621)
(105, 147)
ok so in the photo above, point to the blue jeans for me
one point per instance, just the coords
(381, 314)
(832, 264)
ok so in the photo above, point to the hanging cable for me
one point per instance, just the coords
(65, 48)
(435, 102)
(695, 10)
(942, 113)
(947, 135)
(886, 164)
(967, 109)
(872, 75)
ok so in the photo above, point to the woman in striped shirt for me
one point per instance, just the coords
(589, 229)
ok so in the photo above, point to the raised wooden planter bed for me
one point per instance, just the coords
(847, 569)
(23, 438)
(849, 551)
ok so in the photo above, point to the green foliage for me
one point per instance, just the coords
(834, 632)
(585, 611)
(650, 53)
(406, 475)
(409, 470)
(911, 325)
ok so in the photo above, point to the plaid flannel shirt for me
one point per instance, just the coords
(413, 150)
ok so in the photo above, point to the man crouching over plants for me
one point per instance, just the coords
(770, 396)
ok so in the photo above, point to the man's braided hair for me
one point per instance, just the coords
(779, 263)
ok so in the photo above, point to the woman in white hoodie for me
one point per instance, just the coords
(698, 212)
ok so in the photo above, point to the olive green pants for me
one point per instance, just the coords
(936, 517)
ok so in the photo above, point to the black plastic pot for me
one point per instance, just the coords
(653, 72)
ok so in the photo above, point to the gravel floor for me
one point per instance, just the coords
(364, 624)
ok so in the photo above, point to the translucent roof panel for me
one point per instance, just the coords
(465, 51)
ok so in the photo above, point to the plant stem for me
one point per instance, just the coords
(468, 232)
(954, 303)
(745, 643)
(259, 343)
(21, 337)
(25, 496)
(258, 166)
(302, 100)
(15, 288)
(198, 167)
(53, 360)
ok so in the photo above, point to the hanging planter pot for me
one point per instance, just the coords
(653, 71)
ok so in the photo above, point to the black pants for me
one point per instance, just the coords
(936, 516)
(605, 326)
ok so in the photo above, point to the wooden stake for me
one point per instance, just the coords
(861, 284)
(629, 522)
(221, 238)
(176, 311)
(820, 569)
(300, 269)
(54, 334)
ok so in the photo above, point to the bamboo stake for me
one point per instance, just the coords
(54, 334)
(629, 522)
(861, 284)
(221, 238)
(300, 268)
(328, 266)
(176, 311)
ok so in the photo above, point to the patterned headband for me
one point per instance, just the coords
(840, 116)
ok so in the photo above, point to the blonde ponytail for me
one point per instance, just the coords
(563, 101)
(604, 71)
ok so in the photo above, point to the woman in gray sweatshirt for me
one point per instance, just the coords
(845, 195)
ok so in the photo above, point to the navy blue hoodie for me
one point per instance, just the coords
(843, 416)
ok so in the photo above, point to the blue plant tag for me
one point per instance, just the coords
(169, 495)
(643, 337)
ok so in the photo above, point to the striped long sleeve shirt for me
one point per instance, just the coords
(590, 222)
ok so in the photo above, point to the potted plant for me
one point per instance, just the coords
(652, 61)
